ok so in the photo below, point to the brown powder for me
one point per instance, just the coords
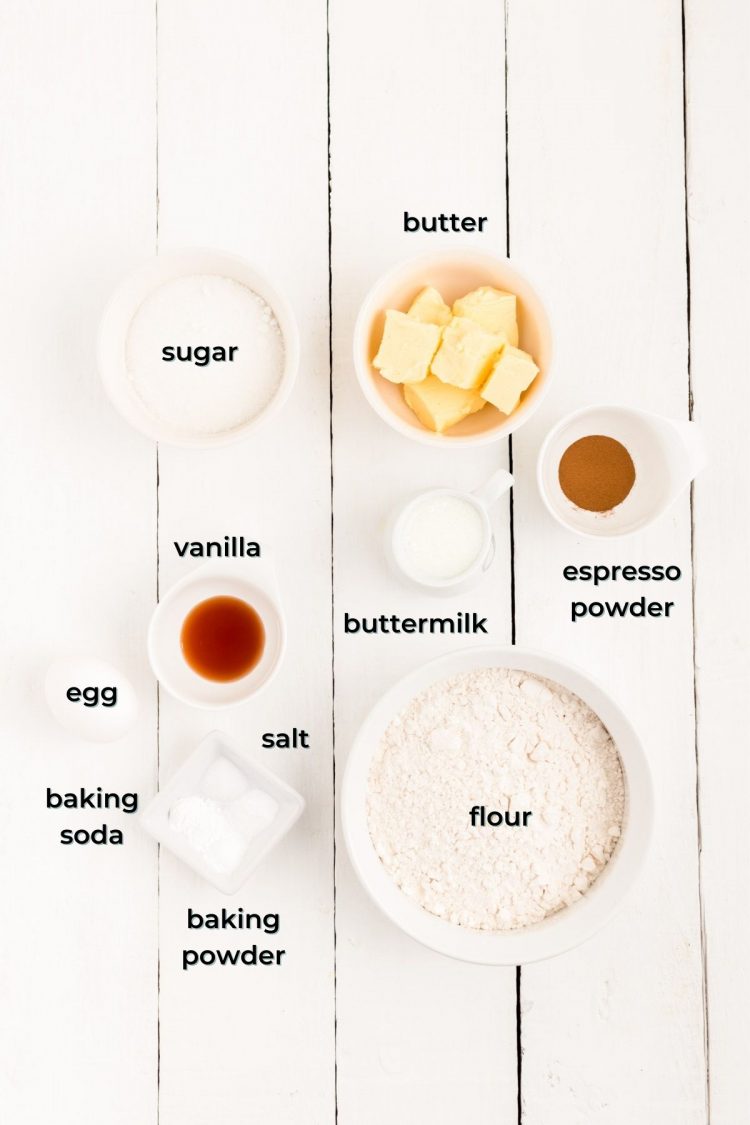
(596, 473)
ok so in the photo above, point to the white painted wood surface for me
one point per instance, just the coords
(420, 1038)
(718, 127)
(78, 933)
(258, 1044)
(608, 245)
(99, 1023)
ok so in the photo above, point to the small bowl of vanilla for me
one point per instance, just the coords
(453, 348)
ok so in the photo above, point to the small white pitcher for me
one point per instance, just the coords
(480, 500)
(667, 456)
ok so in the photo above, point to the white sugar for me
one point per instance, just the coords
(204, 311)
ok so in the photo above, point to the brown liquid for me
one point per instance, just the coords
(222, 638)
(596, 473)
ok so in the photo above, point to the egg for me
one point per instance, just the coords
(90, 698)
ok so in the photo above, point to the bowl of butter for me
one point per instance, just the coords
(453, 348)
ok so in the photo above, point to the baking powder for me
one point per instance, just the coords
(511, 743)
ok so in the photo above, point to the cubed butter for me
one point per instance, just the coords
(429, 307)
(492, 309)
(439, 405)
(465, 354)
(513, 373)
(407, 348)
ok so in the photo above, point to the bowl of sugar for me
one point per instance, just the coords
(197, 348)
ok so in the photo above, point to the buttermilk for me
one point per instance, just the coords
(391, 623)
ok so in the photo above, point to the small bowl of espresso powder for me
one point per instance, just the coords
(605, 470)
(596, 473)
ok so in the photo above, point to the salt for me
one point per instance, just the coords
(204, 311)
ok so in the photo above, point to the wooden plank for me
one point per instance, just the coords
(417, 119)
(242, 167)
(612, 1032)
(77, 932)
(718, 125)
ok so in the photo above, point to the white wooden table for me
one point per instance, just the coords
(607, 144)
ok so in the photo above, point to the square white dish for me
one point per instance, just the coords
(193, 779)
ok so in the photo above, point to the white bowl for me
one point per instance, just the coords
(667, 455)
(454, 273)
(569, 926)
(254, 585)
(190, 780)
(130, 295)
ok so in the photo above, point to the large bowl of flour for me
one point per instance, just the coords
(497, 805)
(197, 348)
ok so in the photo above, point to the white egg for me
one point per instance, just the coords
(90, 698)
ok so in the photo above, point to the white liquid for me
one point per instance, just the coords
(440, 538)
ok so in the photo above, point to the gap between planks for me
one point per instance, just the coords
(512, 547)
(333, 588)
(699, 836)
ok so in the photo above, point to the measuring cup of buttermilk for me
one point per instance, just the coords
(218, 636)
(442, 540)
(612, 470)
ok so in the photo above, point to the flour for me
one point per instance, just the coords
(204, 311)
(511, 742)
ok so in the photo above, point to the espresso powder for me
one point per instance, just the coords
(596, 473)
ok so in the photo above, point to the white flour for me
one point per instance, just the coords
(204, 310)
(511, 742)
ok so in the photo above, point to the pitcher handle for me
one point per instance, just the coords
(494, 488)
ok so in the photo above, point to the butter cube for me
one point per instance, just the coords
(429, 307)
(466, 353)
(407, 348)
(492, 309)
(439, 405)
(513, 373)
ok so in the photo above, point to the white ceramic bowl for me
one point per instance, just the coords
(454, 274)
(569, 926)
(254, 585)
(191, 780)
(125, 301)
(667, 455)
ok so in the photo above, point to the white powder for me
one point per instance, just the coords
(514, 743)
(209, 832)
(440, 538)
(204, 310)
(221, 832)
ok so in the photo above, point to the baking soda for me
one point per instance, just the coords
(204, 311)
(508, 743)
